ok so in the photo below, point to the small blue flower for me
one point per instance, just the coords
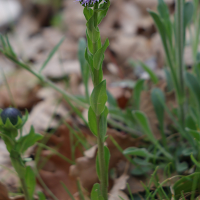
(89, 2)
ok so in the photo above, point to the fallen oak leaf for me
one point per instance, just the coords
(85, 167)
(119, 184)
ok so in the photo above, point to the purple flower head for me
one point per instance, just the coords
(89, 2)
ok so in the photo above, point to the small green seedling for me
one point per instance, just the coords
(11, 121)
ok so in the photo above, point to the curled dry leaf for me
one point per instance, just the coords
(46, 114)
(85, 167)
(56, 170)
(119, 185)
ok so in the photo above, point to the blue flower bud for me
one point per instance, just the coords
(12, 114)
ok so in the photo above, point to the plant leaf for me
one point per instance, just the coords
(98, 98)
(137, 91)
(96, 192)
(88, 12)
(158, 99)
(103, 123)
(188, 13)
(194, 133)
(193, 85)
(138, 152)
(30, 181)
(142, 119)
(103, 9)
(99, 55)
(186, 184)
(93, 32)
(41, 196)
(92, 121)
(28, 140)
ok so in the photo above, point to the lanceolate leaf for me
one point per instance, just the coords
(98, 98)
(88, 57)
(96, 192)
(142, 119)
(188, 13)
(163, 34)
(103, 123)
(158, 99)
(28, 140)
(41, 196)
(164, 13)
(81, 52)
(137, 91)
(88, 12)
(195, 134)
(193, 85)
(103, 11)
(30, 181)
(163, 9)
(92, 121)
(107, 159)
(89, 43)
(93, 32)
(99, 55)
(137, 152)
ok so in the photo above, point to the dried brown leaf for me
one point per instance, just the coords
(56, 170)
(85, 167)
(23, 87)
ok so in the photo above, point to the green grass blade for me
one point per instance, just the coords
(51, 54)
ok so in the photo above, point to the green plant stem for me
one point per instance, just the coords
(100, 142)
(102, 167)
(180, 33)
(20, 171)
(95, 46)
(24, 187)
